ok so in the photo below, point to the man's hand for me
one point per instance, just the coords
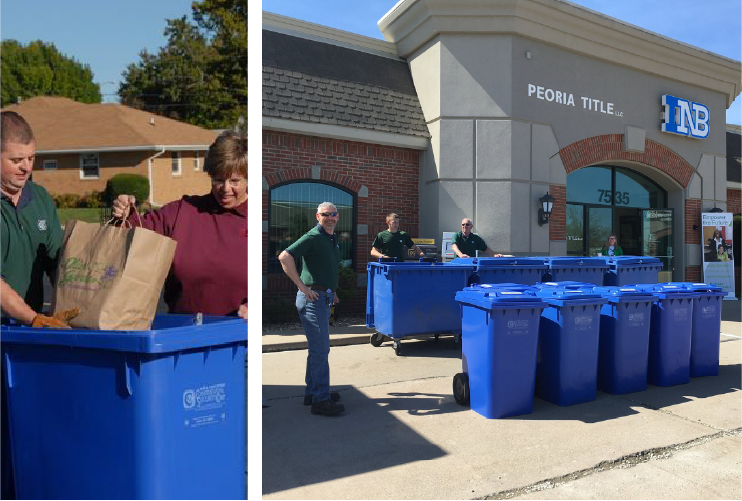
(336, 300)
(463, 255)
(58, 321)
(121, 206)
(242, 311)
(309, 292)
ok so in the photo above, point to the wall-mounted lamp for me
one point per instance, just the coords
(716, 209)
(547, 203)
(695, 227)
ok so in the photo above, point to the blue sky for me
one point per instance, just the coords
(107, 35)
(713, 25)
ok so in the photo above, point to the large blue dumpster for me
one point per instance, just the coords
(499, 342)
(670, 334)
(706, 331)
(580, 269)
(624, 339)
(156, 414)
(628, 270)
(405, 299)
(567, 371)
(496, 270)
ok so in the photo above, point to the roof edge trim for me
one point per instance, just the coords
(106, 149)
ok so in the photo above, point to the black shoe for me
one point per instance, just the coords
(327, 407)
(334, 396)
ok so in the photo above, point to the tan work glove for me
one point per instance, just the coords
(58, 321)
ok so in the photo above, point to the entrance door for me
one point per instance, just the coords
(657, 239)
(599, 224)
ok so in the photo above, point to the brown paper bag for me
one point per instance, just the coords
(113, 274)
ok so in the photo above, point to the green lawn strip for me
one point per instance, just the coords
(87, 215)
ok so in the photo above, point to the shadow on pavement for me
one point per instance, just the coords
(302, 449)
(731, 311)
(426, 346)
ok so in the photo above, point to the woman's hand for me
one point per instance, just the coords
(121, 206)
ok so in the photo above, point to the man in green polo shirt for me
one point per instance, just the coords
(466, 244)
(30, 232)
(320, 254)
(391, 242)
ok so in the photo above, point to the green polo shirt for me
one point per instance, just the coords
(30, 240)
(392, 244)
(320, 256)
(471, 245)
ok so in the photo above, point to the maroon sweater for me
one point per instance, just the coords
(209, 272)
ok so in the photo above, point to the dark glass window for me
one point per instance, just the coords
(292, 212)
(590, 185)
(635, 190)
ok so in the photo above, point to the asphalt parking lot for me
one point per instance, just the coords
(404, 437)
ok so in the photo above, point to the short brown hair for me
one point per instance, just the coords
(392, 215)
(227, 155)
(14, 127)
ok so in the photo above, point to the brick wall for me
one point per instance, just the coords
(693, 217)
(733, 201)
(558, 218)
(390, 174)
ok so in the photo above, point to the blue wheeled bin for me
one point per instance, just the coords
(156, 414)
(499, 342)
(569, 332)
(669, 334)
(580, 269)
(624, 339)
(497, 270)
(406, 299)
(628, 270)
(706, 331)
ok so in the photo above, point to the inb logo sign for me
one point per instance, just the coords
(685, 118)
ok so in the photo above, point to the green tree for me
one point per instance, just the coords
(200, 76)
(39, 69)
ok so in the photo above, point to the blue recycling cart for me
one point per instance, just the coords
(157, 414)
(413, 298)
(628, 270)
(588, 270)
(498, 270)
(569, 333)
(670, 334)
(623, 353)
(706, 328)
(499, 344)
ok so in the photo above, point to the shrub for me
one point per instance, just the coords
(66, 200)
(129, 184)
(280, 311)
(93, 200)
(347, 283)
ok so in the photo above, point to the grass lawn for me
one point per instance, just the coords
(88, 215)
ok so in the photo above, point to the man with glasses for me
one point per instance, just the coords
(320, 253)
(391, 242)
(466, 244)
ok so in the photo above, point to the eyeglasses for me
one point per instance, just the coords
(467, 224)
(232, 182)
(328, 214)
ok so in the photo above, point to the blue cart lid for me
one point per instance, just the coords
(703, 288)
(169, 333)
(575, 262)
(492, 263)
(392, 267)
(500, 298)
(665, 291)
(620, 261)
(624, 294)
(570, 296)
(567, 284)
(491, 287)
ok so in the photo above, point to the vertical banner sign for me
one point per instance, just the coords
(718, 263)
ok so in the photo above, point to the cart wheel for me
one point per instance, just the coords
(376, 339)
(436, 336)
(461, 388)
(397, 347)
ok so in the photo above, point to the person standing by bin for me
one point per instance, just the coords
(466, 244)
(320, 253)
(392, 241)
(611, 247)
(209, 272)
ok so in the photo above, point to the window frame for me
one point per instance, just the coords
(82, 163)
(354, 223)
(196, 163)
(45, 163)
(175, 160)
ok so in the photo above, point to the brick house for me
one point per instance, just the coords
(479, 111)
(81, 146)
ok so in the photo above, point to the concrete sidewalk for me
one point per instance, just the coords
(403, 436)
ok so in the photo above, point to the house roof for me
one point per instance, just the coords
(323, 83)
(61, 124)
(734, 147)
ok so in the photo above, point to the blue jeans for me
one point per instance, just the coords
(315, 319)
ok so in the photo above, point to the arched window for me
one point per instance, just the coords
(292, 210)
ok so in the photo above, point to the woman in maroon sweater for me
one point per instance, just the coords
(209, 272)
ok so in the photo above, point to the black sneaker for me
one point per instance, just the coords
(327, 407)
(334, 396)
